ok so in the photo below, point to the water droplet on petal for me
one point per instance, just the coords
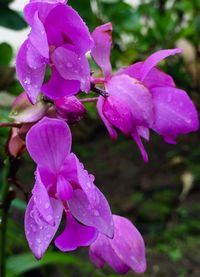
(49, 218)
(32, 214)
(27, 81)
(33, 227)
(38, 240)
(96, 213)
(47, 205)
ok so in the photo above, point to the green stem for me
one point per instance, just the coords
(5, 204)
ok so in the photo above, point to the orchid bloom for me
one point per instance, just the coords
(62, 183)
(125, 251)
(58, 38)
(141, 96)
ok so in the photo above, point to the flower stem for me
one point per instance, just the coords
(4, 207)
(11, 124)
(88, 100)
(100, 91)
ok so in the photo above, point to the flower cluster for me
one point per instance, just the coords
(133, 100)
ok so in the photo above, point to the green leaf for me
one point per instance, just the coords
(11, 19)
(6, 53)
(6, 2)
(17, 265)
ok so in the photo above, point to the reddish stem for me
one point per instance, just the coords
(88, 100)
(11, 124)
(98, 81)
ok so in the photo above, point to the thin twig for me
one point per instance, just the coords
(99, 91)
(11, 124)
(88, 100)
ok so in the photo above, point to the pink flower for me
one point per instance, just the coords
(125, 251)
(62, 183)
(141, 97)
(58, 38)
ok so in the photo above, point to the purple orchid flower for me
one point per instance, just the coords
(62, 183)
(141, 96)
(125, 251)
(58, 38)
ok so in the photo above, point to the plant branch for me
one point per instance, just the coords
(99, 91)
(11, 124)
(88, 100)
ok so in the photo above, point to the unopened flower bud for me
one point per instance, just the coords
(70, 109)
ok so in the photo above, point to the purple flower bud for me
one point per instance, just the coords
(70, 109)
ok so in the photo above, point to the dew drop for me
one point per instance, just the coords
(96, 213)
(88, 184)
(38, 240)
(34, 229)
(32, 214)
(47, 205)
(49, 218)
(27, 81)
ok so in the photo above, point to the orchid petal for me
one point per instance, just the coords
(57, 87)
(126, 250)
(119, 115)
(101, 251)
(75, 235)
(42, 200)
(34, 59)
(39, 234)
(31, 79)
(138, 141)
(155, 77)
(72, 67)
(49, 142)
(143, 132)
(48, 179)
(42, 7)
(66, 21)
(102, 36)
(38, 37)
(64, 189)
(155, 58)
(97, 215)
(75, 173)
(175, 113)
(128, 244)
(137, 98)
(110, 128)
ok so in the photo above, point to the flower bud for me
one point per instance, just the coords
(24, 112)
(70, 109)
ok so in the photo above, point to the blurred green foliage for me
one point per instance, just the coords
(152, 194)
(10, 18)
